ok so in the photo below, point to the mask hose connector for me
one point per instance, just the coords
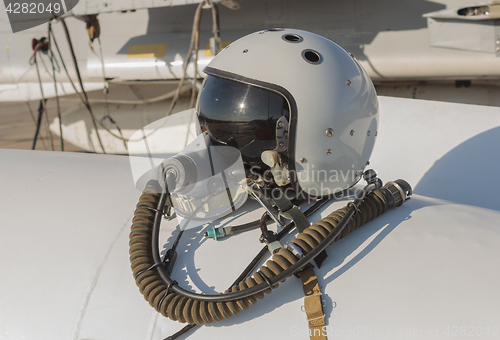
(185, 306)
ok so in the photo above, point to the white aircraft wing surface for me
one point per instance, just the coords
(98, 6)
(426, 270)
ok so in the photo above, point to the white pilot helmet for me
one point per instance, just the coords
(296, 101)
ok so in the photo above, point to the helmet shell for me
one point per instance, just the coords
(327, 90)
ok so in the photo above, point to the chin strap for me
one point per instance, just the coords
(313, 304)
(292, 212)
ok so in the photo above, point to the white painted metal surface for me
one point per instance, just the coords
(79, 130)
(427, 270)
(391, 39)
(96, 6)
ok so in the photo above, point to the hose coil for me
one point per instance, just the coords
(183, 309)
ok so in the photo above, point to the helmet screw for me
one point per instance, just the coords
(376, 133)
(282, 144)
(352, 132)
(245, 51)
(281, 124)
(348, 82)
(303, 160)
(368, 132)
(329, 151)
(285, 134)
(329, 132)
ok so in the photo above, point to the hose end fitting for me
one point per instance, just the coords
(370, 176)
(397, 192)
(215, 233)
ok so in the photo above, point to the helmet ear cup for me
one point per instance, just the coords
(325, 88)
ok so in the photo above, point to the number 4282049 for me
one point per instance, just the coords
(33, 8)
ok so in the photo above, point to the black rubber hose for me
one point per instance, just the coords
(251, 266)
(174, 302)
(271, 281)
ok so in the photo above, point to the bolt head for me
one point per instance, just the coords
(282, 145)
(368, 133)
(329, 152)
(329, 132)
(302, 160)
(348, 82)
(245, 51)
(281, 124)
(352, 132)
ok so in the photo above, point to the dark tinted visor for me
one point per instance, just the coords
(241, 115)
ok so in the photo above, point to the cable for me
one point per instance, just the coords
(106, 89)
(242, 294)
(38, 123)
(289, 227)
(180, 87)
(43, 100)
(55, 86)
(75, 62)
(196, 29)
(182, 332)
(85, 103)
(254, 224)
(37, 127)
(187, 306)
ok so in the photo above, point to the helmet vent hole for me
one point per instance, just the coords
(292, 38)
(312, 56)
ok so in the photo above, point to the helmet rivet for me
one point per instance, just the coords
(329, 132)
(303, 160)
(348, 82)
(376, 133)
(281, 124)
(329, 151)
(367, 163)
(282, 145)
(368, 132)
(352, 132)
(245, 51)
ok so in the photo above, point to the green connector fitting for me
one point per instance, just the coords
(215, 233)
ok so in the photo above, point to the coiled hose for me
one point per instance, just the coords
(184, 309)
